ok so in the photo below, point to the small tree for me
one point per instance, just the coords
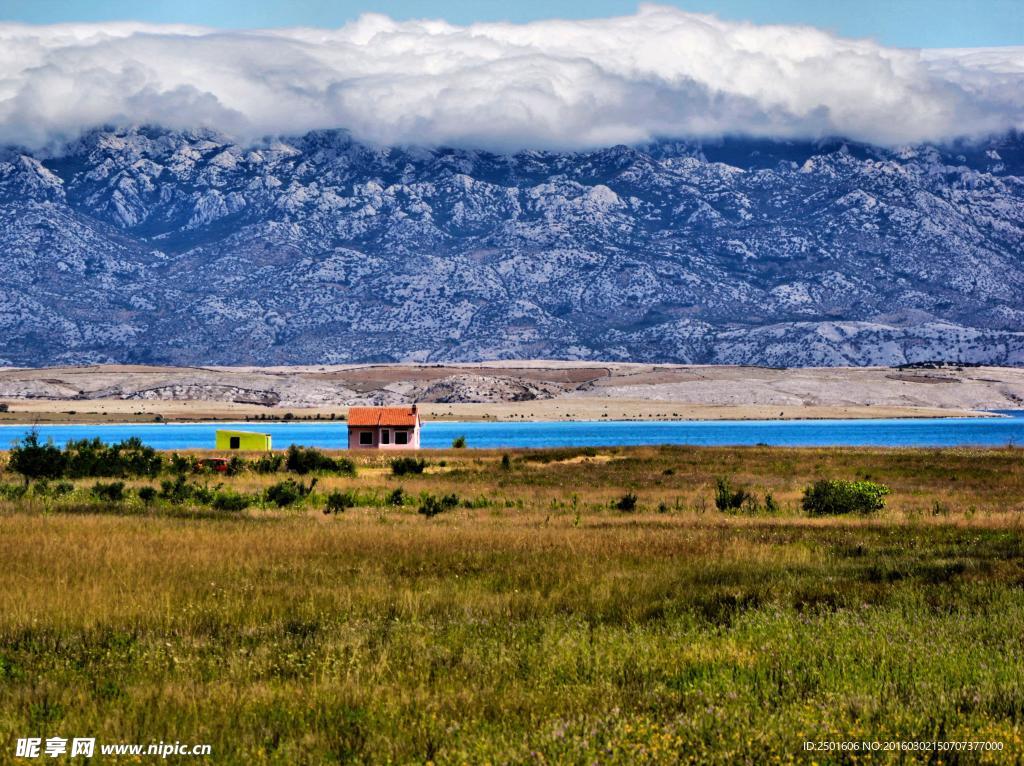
(37, 461)
(459, 442)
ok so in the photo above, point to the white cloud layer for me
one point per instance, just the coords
(547, 84)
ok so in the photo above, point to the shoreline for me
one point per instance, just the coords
(722, 415)
(510, 391)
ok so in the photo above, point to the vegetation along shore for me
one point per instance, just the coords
(645, 605)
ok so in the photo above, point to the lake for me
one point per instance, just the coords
(923, 432)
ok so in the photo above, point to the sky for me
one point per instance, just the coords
(896, 23)
(651, 71)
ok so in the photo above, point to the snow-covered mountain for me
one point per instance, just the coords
(182, 247)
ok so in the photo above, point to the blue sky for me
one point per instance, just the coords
(904, 23)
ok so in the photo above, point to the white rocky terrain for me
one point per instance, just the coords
(160, 247)
(572, 389)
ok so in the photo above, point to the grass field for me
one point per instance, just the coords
(533, 623)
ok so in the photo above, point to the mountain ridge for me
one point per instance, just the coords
(181, 247)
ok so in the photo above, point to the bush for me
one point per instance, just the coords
(37, 461)
(182, 464)
(339, 502)
(459, 442)
(831, 497)
(175, 490)
(112, 492)
(432, 506)
(397, 497)
(269, 463)
(345, 466)
(288, 492)
(303, 460)
(728, 499)
(627, 503)
(43, 488)
(236, 465)
(92, 457)
(506, 463)
(179, 491)
(12, 491)
(203, 494)
(226, 500)
(5, 407)
(405, 465)
(147, 495)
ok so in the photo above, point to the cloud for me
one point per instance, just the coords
(548, 84)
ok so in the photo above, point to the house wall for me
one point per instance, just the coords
(354, 431)
(248, 441)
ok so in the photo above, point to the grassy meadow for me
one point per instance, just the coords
(532, 621)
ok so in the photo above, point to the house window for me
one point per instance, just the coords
(236, 442)
(401, 437)
(366, 437)
(385, 436)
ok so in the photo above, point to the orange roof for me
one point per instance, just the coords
(381, 416)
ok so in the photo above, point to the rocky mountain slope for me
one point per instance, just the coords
(155, 246)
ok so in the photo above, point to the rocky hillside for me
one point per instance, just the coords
(183, 248)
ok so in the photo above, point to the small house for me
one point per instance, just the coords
(383, 428)
(248, 441)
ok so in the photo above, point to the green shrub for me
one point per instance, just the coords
(344, 465)
(203, 494)
(729, 499)
(147, 495)
(627, 503)
(401, 466)
(339, 502)
(288, 492)
(226, 500)
(93, 457)
(175, 490)
(179, 491)
(182, 464)
(43, 488)
(112, 492)
(236, 465)
(269, 463)
(12, 491)
(506, 463)
(459, 442)
(432, 506)
(397, 497)
(303, 460)
(37, 461)
(832, 497)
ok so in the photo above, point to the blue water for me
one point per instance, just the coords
(925, 432)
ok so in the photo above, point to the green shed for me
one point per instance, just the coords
(249, 441)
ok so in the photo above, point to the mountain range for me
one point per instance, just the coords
(182, 247)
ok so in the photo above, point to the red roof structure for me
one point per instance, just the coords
(382, 416)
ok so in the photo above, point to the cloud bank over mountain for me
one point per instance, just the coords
(549, 84)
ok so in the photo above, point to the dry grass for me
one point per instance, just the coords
(542, 626)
